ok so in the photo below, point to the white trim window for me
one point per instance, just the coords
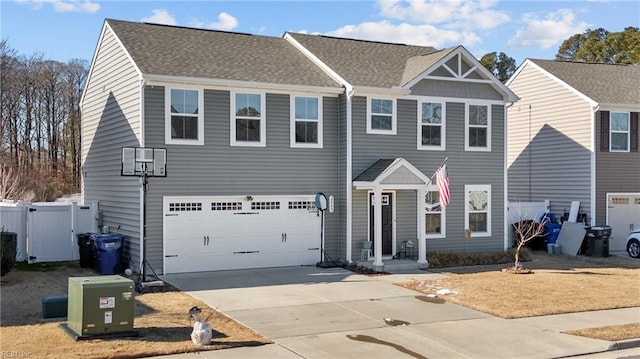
(477, 210)
(248, 121)
(435, 216)
(381, 116)
(184, 119)
(431, 125)
(619, 133)
(306, 121)
(477, 127)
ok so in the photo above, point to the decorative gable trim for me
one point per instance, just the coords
(451, 68)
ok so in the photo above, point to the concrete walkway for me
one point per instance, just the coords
(311, 312)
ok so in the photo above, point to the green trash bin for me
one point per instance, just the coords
(9, 249)
(598, 241)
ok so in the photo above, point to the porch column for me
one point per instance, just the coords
(377, 223)
(422, 240)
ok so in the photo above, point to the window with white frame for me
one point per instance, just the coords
(184, 120)
(381, 116)
(619, 131)
(434, 225)
(431, 125)
(478, 128)
(248, 123)
(306, 121)
(477, 210)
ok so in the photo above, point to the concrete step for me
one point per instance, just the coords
(394, 265)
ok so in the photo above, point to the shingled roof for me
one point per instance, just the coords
(603, 83)
(180, 51)
(364, 63)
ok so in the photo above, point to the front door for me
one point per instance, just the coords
(387, 223)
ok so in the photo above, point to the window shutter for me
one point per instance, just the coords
(604, 131)
(634, 132)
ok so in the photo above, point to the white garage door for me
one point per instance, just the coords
(623, 215)
(218, 233)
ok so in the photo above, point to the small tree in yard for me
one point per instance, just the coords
(525, 230)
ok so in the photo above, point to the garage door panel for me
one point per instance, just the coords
(219, 233)
(623, 215)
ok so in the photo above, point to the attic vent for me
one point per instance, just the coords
(265, 205)
(301, 205)
(620, 200)
(183, 207)
(226, 206)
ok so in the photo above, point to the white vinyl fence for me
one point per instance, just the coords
(47, 231)
(522, 211)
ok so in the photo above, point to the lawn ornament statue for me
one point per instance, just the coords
(202, 332)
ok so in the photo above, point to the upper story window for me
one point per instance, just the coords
(306, 122)
(431, 126)
(434, 216)
(381, 116)
(477, 210)
(184, 120)
(619, 131)
(478, 128)
(248, 123)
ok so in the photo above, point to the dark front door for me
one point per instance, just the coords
(387, 223)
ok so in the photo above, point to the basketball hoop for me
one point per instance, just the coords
(144, 162)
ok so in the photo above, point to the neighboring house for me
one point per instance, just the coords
(254, 127)
(573, 136)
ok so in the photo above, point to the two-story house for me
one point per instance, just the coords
(573, 136)
(254, 127)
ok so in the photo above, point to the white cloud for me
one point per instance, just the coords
(85, 6)
(459, 14)
(160, 16)
(544, 33)
(225, 22)
(424, 35)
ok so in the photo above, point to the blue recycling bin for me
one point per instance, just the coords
(108, 252)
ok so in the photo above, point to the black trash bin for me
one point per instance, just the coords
(9, 249)
(598, 241)
(87, 250)
(108, 252)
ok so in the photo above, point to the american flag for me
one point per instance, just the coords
(442, 181)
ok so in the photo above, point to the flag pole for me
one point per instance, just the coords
(442, 164)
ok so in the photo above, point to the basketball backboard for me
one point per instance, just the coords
(139, 161)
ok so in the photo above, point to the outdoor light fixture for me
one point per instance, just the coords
(249, 198)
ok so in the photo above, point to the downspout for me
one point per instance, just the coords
(348, 177)
(506, 178)
(592, 194)
(142, 215)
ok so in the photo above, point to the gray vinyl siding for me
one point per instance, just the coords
(110, 121)
(616, 172)
(456, 89)
(218, 169)
(549, 154)
(465, 167)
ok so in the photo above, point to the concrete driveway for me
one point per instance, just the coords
(312, 312)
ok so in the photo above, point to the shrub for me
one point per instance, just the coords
(455, 259)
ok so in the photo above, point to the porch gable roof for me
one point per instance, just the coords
(391, 173)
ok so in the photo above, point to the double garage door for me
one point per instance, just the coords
(237, 232)
(623, 215)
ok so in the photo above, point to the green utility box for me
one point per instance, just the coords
(100, 305)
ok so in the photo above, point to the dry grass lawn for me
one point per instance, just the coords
(161, 319)
(559, 284)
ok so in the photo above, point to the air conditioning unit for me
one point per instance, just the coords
(100, 306)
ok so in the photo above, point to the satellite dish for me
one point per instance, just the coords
(321, 201)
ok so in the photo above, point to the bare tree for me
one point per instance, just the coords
(525, 231)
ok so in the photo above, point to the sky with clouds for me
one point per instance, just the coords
(68, 29)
